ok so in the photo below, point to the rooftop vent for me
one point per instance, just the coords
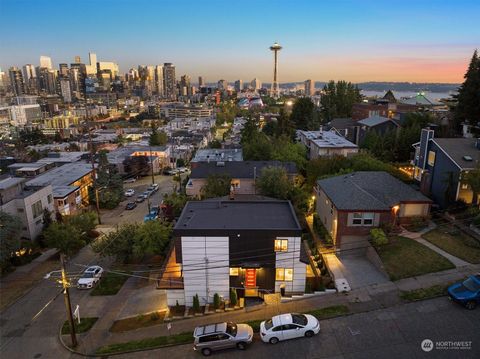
(468, 158)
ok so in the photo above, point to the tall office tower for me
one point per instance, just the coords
(77, 59)
(108, 65)
(92, 67)
(63, 69)
(185, 84)
(65, 89)
(275, 89)
(46, 80)
(309, 88)
(256, 84)
(159, 80)
(30, 79)
(201, 82)
(238, 85)
(169, 81)
(150, 79)
(16, 81)
(75, 83)
(3, 81)
(46, 62)
(80, 76)
(222, 85)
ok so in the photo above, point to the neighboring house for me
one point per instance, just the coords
(440, 165)
(381, 125)
(252, 246)
(78, 176)
(343, 126)
(350, 205)
(33, 169)
(210, 154)
(26, 204)
(156, 156)
(243, 174)
(325, 143)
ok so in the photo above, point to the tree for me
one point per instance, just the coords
(258, 148)
(303, 115)
(157, 138)
(274, 182)
(173, 204)
(84, 222)
(285, 150)
(217, 186)
(152, 238)
(118, 243)
(10, 234)
(468, 106)
(338, 99)
(65, 237)
(110, 183)
(472, 178)
(215, 144)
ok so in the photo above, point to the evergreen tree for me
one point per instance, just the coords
(337, 99)
(468, 106)
(303, 115)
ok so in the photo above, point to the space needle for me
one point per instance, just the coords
(275, 48)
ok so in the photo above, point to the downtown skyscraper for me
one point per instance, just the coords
(169, 81)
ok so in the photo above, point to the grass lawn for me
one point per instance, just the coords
(404, 258)
(110, 284)
(140, 321)
(84, 326)
(456, 243)
(424, 293)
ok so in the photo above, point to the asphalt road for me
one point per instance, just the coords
(388, 333)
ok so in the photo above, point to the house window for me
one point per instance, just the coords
(464, 186)
(431, 158)
(234, 271)
(281, 245)
(363, 219)
(49, 198)
(284, 274)
(37, 209)
(368, 219)
(61, 202)
(357, 219)
(236, 184)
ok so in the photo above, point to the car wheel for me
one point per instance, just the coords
(471, 305)
(241, 346)
(309, 334)
(206, 351)
(273, 340)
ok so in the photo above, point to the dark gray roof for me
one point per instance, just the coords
(374, 121)
(375, 190)
(238, 215)
(237, 169)
(341, 123)
(456, 148)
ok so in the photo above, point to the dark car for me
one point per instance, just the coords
(467, 292)
(130, 205)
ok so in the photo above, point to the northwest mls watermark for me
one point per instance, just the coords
(428, 345)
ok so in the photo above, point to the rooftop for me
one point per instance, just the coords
(63, 191)
(373, 190)
(62, 176)
(458, 148)
(238, 215)
(9, 182)
(237, 169)
(324, 139)
(209, 154)
(375, 121)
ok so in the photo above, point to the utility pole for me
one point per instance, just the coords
(68, 305)
(92, 158)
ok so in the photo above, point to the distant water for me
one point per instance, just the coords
(399, 94)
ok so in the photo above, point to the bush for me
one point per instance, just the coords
(196, 303)
(216, 301)
(476, 221)
(233, 297)
(379, 238)
(154, 316)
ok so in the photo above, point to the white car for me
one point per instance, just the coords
(90, 277)
(130, 180)
(288, 326)
(129, 192)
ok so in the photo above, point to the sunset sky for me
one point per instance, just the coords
(421, 41)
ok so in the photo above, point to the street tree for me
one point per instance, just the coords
(65, 237)
(274, 182)
(10, 234)
(217, 185)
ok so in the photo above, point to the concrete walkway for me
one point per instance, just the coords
(417, 236)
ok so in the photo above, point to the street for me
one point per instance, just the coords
(388, 333)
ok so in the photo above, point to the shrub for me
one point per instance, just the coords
(379, 238)
(233, 297)
(216, 301)
(476, 221)
(196, 303)
(154, 316)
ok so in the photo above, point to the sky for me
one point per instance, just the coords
(415, 41)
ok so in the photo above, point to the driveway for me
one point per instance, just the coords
(360, 272)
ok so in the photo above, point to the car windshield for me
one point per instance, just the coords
(471, 285)
(231, 329)
(299, 319)
(87, 275)
(268, 324)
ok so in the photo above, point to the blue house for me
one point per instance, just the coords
(441, 163)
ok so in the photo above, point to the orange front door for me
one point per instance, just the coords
(250, 278)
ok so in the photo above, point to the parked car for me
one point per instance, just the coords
(130, 180)
(131, 205)
(288, 326)
(129, 192)
(90, 277)
(150, 217)
(155, 186)
(171, 172)
(147, 194)
(183, 170)
(467, 292)
(222, 336)
(140, 198)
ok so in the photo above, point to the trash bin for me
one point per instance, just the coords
(282, 290)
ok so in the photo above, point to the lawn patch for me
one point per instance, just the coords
(329, 312)
(110, 284)
(150, 343)
(84, 326)
(424, 293)
(456, 243)
(404, 258)
(140, 321)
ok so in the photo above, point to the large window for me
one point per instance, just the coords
(37, 209)
(281, 245)
(363, 219)
(234, 271)
(431, 158)
(284, 274)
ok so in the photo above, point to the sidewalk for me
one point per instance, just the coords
(359, 300)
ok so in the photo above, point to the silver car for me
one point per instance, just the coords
(222, 336)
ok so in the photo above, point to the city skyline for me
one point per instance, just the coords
(350, 40)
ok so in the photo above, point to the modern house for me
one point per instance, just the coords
(26, 204)
(325, 143)
(381, 125)
(253, 247)
(350, 205)
(440, 165)
(242, 173)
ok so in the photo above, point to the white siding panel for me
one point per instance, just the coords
(291, 259)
